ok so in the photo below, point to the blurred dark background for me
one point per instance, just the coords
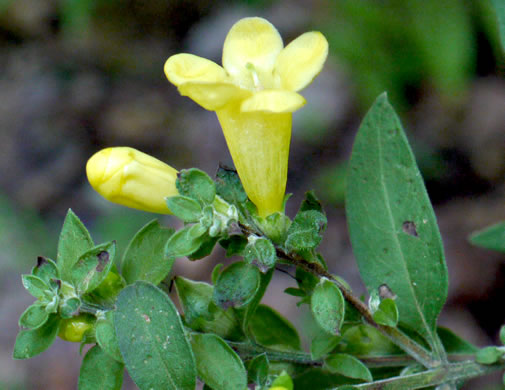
(80, 75)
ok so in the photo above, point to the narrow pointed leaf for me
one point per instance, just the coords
(151, 339)
(100, 371)
(492, 237)
(37, 287)
(144, 259)
(393, 230)
(45, 269)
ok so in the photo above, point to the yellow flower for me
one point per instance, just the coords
(254, 95)
(131, 178)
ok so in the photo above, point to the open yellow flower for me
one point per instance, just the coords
(254, 95)
(131, 178)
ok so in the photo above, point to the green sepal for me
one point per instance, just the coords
(70, 307)
(275, 227)
(196, 184)
(328, 306)
(33, 317)
(489, 355)
(92, 267)
(100, 371)
(73, 242)
(272, 330)
(37, 288)
(46, 270)
(234, 245)
(260, 252)
(185, 208)
(236, 285)
(257, 369)
(229, 187)
(387, 313)
(305, 231)
(283, 380)
(311, 202)
(145, 258)
(106, 336)
(349, 366)
(185, 241)
(217, 364)
(30, 343)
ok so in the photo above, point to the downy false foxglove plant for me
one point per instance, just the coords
(224, 336)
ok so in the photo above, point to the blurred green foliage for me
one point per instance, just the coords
(397, 45)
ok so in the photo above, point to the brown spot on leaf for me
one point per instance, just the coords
(41, 260)
(386, 292)
(409, 227)
(103, 259)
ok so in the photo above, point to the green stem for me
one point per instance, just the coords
(452, 372)
(92, 308)
(419, 353)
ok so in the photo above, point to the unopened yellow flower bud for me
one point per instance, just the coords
(133, 179)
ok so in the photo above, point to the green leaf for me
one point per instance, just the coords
(323, 344)
(46, 270)
(328, 306)
(201, 314)
(283, 380)
(70, 307)
(311, 202)
(502, 334)
(270, 329)
(106, 336)
(74, 241)
(387, 313)
(492, 237)
(185, 241)
(185, 208)
(206, 248)
(150, 335)
(236, 286)
(217, 364)
(306, 230)
(234, 245)
(295, 292)
(488, 355)
(260, 252)
(361, 340)
(37, 287)
(229, 186)
(144, 259)
(34, 317)
(196, 184)
(93, 266)
(214, 276)
(257, 370)
(392, 226)
(30, 343)
(454, 344)
(100, 371)
(499, 7)
(348, 366)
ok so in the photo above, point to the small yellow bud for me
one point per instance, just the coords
(131, 178)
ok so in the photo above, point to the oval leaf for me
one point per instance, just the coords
(151, 339)
(392, 225)
(100, 371)
(186, 209)
(236, 285)
(349, 366)
(30, 343)
(217, 364)
(144, 259)
(196, 184)
(33, 317)
(328, 306)
(270, 329)
(106, 336)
